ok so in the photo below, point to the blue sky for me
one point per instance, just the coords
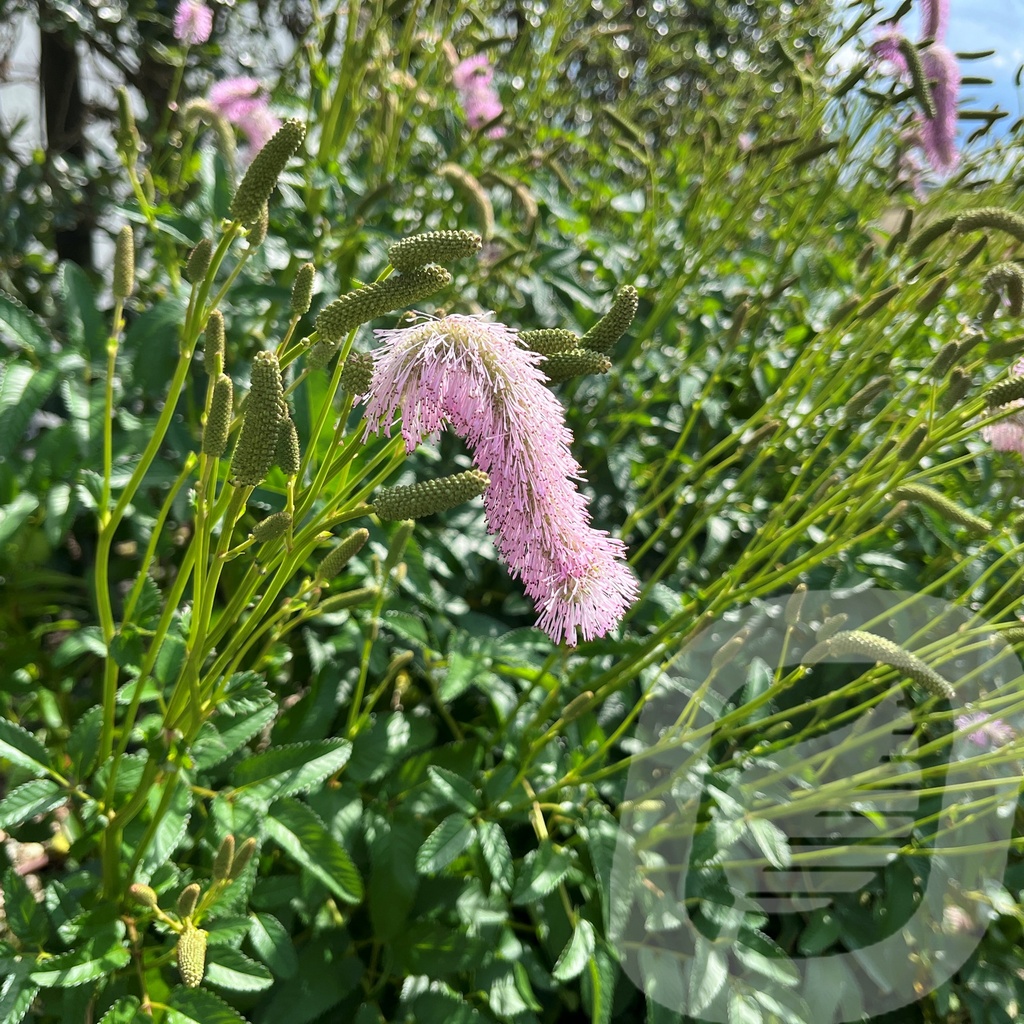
(990, 25)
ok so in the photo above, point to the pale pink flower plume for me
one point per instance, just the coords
(474, 80)
(886, 47)
(934, 19)
(991, 732)
(474, 375)
(244, 103)
(939, 133)
(193, 22)
(1008, 435)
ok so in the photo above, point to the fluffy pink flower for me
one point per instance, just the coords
(193, 22)
(934, 19)
(886, 47)
(1008, 435)
(991, 732)
(939, 133)
(243, 102)
(474, 375)
(474, 80)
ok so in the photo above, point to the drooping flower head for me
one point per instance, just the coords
(939, 133)
(244, 103)
(472, 374)
(474, 80)
(991, 732)
(888, 47)
(1008, 434)
(193, 22)
(934, 19)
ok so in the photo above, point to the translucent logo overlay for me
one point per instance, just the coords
(814, 841)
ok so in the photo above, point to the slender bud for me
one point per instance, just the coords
(257, 444)
(991, 217)
(127, 137)
(259, 228)
(878, 649)
(575, 363)
(261, 177)
(967, 343)
(1009, 277)
(288, 455)
(830, 626)
(187, 900)
(199, 261)
(805, 156)
(1013, 635)
(124, 264)
(415, 501)
(867, 394)
(1005, 392)
(342, 554)
(243, 855)
(144, 895)
(359, 307)
(959, 385)
(867, 254)
(728, 651)
(945, 359)
(578, 706)
(213, 344)
(474, 191)
(548, 341)
(914, 271)
(218, 418)
(902, 233)
(918, 494)
(973, 253)
(795, 605)
(1013, 347)
(880, 301)
(271, 528)
(614, 324)
(844, 309)
(918, 78)
(225, 856)
(934, 295)
(302, 290)
(930, 233)
(191, 955)
(434, 247)
(912, 444)
(357, 373)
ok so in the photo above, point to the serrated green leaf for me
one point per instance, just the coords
(125, 1011)
(598, 985)
(88, 640)
(65, 911)
(82, 322)
(16, 997)
(296, 768)
(101, 955)
(23, 389)
(771, 841)
(21, 327)
(40, 796)
(820, 932)
(743, 1011)
(542, 870)
(23, 916)
(197, 1006)
(227, 968)
(169, 660)
(273, 945)
(326, 978)
(447, 842)
(455, 789)
(708, 976)
(22, 748)
(219, 739)
(171, 829)
(497, 855)
(83, 742)
(578, 950)
(15, 515)
(303, 836)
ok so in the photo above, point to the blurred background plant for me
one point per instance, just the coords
(431, 819)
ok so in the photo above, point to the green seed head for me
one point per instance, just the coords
(959, 385)
(226, 854)
(302, 290)
(257, 445)
(931, 232)
(218, 418)
(191, 955)
(124, 264)
(795, 605)
(434, 247)
(199, 261)
(270, 529)
(143, 895)
(614, 324)
(187, 900)
(945, 359)
(259, 228)
(549, 341)
(1005, 392)
(429, 496)
(288, 455)
(357, 373)
(830, 626)
(919, 80)
(574, 363)
(912, 445)
(213, 344)
(990, 217)
(342, 554)
(261, 177)
(918, 494)
(1007, 278)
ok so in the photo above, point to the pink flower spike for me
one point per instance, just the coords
(193, 22)
(474, 78)
(939, 133)
(473, 374)
(886, 48)
(934, 19)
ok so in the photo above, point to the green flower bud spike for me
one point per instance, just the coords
(225, 856)
(213, 344)
(415, 501)
(218, 418)
(261, 177)
(288, 455)
(878, 649)
(918, 79)
(302, 290)
(433, 247)
(918, 494)
(867, 394)
(795, 605)
(143, 895)
(272, 527)
(342, 555)
(945, 359)
(990, 217)
(124, 264)
(199, 261)
(191, 955)
(259, 228)
(257, 445)
(549, 341)
(1005, 392)
(930, 233)
(959, 385)
(830, 626)
(127, 135)
(914, 441)
(243, 855)
(187, 900)
(614, 324)
(1009, 278)
(357, 373)
(575, 363)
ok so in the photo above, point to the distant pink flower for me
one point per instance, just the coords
(886, 47)
(991, 732)
(1008, 435)
(939, 133)
(934, 19)
(243, 102)
(473, 374)
(474, 80)
(193, 22)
